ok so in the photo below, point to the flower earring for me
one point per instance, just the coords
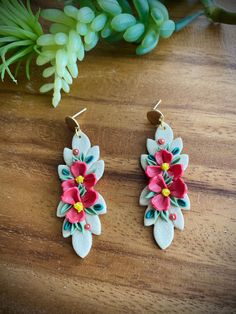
(80, 203)
(166, 193)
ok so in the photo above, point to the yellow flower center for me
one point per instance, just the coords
(165, 166)
(79, 179)
(79, 207)
(165, 192)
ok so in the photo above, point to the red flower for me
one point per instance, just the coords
(79, 169)
(163, 159)
(161, 201)
(71, 196)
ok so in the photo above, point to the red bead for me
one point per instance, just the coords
(87, 227)
(75, 152)
(161, 141)
(172, 216)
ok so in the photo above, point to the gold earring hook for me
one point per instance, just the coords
(72, 123)
(155, 116)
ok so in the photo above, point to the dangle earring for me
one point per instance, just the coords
(80, 203)
(166, 193)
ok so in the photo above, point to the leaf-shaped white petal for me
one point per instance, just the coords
(102, 202)
(82, 242)
(62, 209)
(184, 203)
(165, 132)
(95, 224)
(176, 146)
(143, 161)
(142, 200)
(152, 146)
(184, 159)
(179, 221)
(163, 232)
(67, 154)
(64, 172)
(65, 233)
(81, 142)
(97, 168)
(149, 221)
(93, 155)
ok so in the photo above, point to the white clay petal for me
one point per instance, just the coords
(92, 156)
(149, 221)
(101, 202)
(62, 209)
(184, 203)
(143, 161)
(64, 172)
(163, 232)
(142, 200)
(184, 159)
(95, 224)
(152, 146)
(81, 142)
(176, 146)
(179, 221)
(165, 132)
(67, 154)
(82, 242)
(97, 168)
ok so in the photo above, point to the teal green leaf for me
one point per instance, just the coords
(90, 211)
(150, 214)
(98, 207)
(160, 6)
(65, 208)
(122, 21)
(150, 195)
(140, 50)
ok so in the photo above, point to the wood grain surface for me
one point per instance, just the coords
(194, 74)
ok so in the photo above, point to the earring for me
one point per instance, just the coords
(166, 193)
(80, 203)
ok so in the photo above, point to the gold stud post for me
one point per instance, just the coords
(155, 116)
(72, 123)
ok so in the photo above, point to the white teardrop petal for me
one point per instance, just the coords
(81, 142)
(142, 200)
(93, 155)
(163, 232)
(102, 202)
(82, 242)
(97, 168)
(65, 233)
(95, 224)
(64, 172)
(184, 159)
(176, 146)
(179, 221)
(143, 161)
(165, 132)
(187, 204)
(149, 221)
(152, 146)
(61, 212)
(67, 154)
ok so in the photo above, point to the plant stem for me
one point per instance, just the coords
(218, 14)
(187, 20)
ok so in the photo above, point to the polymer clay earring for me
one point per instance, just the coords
(166, 193)
(80, 203)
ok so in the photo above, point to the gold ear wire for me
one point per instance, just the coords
(155, 116)
(72, 123)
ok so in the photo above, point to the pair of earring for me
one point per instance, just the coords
(164, 196)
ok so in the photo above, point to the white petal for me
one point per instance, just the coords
(184, 159)
(65, 233)
(95, 224)
(163, 232)
(142, 200)
(97, 168)
(64, 176)
(144, 163)
(149, 221)
(152, 146)
(179, 221)
(187, 204)
(93, 154)
(82, 242)
(177, 145)
(103, 203)
(62, 208)
(165, 132)
(67, 154)
(81, 142)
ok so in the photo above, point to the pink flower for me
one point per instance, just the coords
(79, 169)
(161, 201)
(163, 160)
(71, 196)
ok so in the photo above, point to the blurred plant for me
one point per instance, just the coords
(76, 30)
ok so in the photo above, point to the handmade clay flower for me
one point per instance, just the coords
(161, 201)
(79, 171)
(79, 203)
(164, 161)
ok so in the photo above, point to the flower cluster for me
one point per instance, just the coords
(166, 192)
(80, 203)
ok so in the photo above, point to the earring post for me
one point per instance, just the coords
(78, 113)
(155, 107)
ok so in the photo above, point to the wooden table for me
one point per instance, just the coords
(193, 72)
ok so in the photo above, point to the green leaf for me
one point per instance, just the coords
(169, 180)
(65, 208)
(150, 214)
(164, 215)
(67, 225)
(150, 195)
(90, 211)
(98, 207)
(174, 201)
(175, 160)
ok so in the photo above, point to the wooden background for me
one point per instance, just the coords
(193, 72)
